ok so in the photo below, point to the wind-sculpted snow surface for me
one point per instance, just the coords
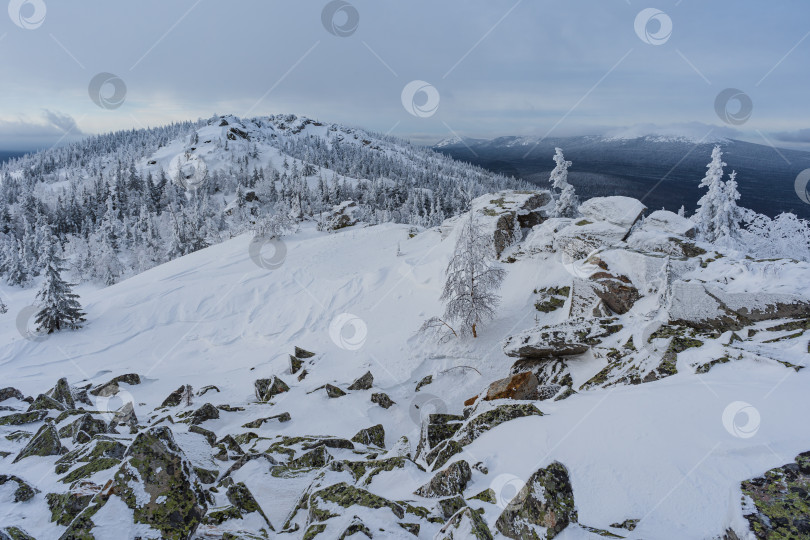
(216, 395)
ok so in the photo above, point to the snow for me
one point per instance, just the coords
(664, 220)
(657, 451)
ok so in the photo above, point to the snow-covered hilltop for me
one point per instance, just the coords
(623, 376)
(121, 203)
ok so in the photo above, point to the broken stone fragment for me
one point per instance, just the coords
(373, 436)
(267, 388)
(363, 383)
(382, 400)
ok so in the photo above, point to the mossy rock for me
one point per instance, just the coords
(424, 382)
(295, 364)
(363, 383)
(174, 504)
(314, 459)
(175, 398)
(314, 530)
(437, 428)
(18, 419)
(440, 455)
(218, 516)
(781, 500)
(65, 507)
(487, 496)
(100, 447)
(44, 402)
(110, 388)
(412, 528)
(372, 436)
(451, 505)
(448, 482)
(14, 533)
(45, 442)
(367, 470)
(10, 392)
(89, 469)
(465, 524)
(267, 388)
(240, 497)
(546, 501)
(487, 420)
(206, 476)
(705, 368)
(210, 436)
(382, 400)
(63, 393)
(204, 413)
(19, 435)
(346, 496)
(84, 428)
(303, 353)
(24, 492)
(333, 391)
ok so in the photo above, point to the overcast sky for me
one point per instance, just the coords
(558, 67)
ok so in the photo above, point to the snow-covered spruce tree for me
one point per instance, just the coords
(710, 202)
(472, 279)
(59, 307)
(567, 202)
(728, 217)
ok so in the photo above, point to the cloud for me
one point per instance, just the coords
(63, 121)
(23, 134)
(798, 136)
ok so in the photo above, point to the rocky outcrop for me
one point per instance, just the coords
(565, 339)
(485, 421)
(776, 504)
(542, 508)
(9, 393)
(505, 213)
(710, 308)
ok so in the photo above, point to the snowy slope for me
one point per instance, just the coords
(658, 452)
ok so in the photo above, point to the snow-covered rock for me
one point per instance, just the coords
(507, 212)
(668, 222)
(617, 210)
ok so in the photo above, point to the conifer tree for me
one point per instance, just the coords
(59, 305)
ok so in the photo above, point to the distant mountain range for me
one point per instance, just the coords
(663, 172)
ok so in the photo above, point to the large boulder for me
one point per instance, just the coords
(616, 210)
(542, 508)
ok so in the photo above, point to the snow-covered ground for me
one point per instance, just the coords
(663, 452)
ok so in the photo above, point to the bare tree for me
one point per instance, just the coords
(472, 279)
